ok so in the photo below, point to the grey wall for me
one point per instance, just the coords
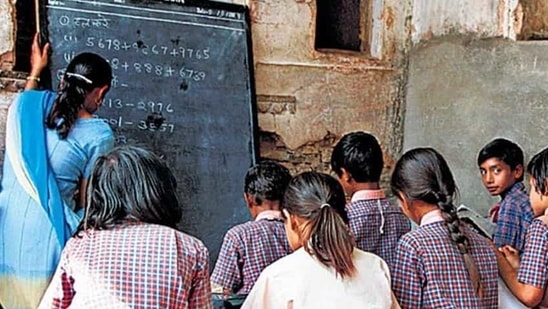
(461, 94)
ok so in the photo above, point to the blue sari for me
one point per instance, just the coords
(35, 223)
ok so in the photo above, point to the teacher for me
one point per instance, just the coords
(52, 141)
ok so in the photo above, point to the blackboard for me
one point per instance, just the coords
(182, 87)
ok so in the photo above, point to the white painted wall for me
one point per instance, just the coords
(486, 18)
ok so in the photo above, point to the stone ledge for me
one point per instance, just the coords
(276, 104)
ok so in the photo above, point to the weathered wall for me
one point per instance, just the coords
(464, 89)
(308, 99)
(437, 18)
(535, 15)
(6, 33)
(514, 19)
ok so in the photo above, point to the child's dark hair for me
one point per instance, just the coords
(130, 184)
(423, 174)
(266, 180)
(319, 199)
(538, 169)
(84, 73)
(360, 154)
(504, 150)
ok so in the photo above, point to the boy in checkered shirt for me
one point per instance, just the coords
(501, 166)
(249, 247)
(528, 278)
(375, 223)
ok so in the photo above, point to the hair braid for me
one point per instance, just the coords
(423, 174)
(452, 221)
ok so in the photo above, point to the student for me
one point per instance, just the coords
(126, 252)
(326, 270)
(443, 263)
(376, 224)
(501, 167)
(528, 278)
(249, 247)
(52, 141)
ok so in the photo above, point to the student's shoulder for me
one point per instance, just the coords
(362, 208)
(252, 227)
(365, 207)
(242, 228)
(424, 236)
(186, 242)
(287, 265)
(369, 260)
(539, 226)
(516, 194)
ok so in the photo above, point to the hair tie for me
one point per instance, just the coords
(80, 77)
(325, 205)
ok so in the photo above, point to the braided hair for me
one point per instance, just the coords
(423, 174)
(84, 73)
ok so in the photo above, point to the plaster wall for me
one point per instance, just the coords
(308, 98)
(461, 94)
(489, 18)
(6, 30)
(469, 81)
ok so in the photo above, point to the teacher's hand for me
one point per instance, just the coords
(39, 56)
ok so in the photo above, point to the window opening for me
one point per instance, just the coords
(341, 25)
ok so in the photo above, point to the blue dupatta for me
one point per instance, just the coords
(26, 148)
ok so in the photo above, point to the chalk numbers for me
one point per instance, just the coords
(192, 74)
(109, 44)
(151, 126)
(154, 107)
(147, 107)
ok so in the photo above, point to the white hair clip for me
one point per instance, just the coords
(324, 205)
(79, 76)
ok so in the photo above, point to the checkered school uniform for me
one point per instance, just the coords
(514, 217)
(429, 271)
(134, 266)
(247, 249)
(533, 268)
(376, 224)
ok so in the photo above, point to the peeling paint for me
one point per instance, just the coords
(535, 19)
(438, 18)
(388, 17)
(312, 156)
(7, 29)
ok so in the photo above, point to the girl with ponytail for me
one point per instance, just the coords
(326, 270)
(443, 263)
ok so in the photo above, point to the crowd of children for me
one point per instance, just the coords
(307, 245)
